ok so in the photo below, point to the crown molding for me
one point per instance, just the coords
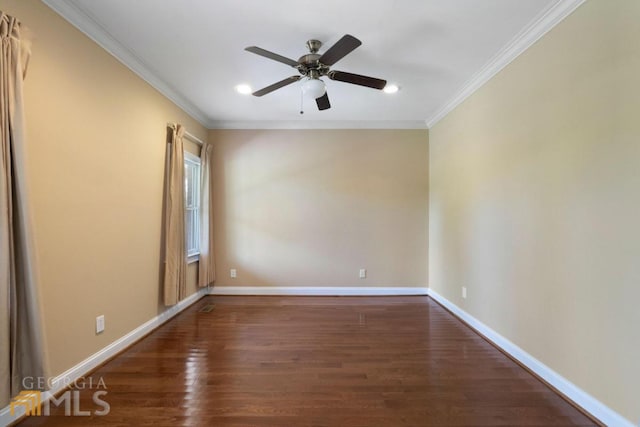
(83, 21)
(318, 124)
(538, 27)
(543, 23)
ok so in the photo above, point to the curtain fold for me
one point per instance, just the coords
(206, 264)
(21, 344)
(175, 258)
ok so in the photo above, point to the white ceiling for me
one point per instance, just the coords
(193, 51)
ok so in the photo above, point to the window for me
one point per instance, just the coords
(192, 203)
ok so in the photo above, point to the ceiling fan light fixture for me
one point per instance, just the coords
(314, 88)
(391, 88)
(243, 89)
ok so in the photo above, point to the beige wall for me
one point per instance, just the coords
(312, 207)
(535, 202)
(96, 147)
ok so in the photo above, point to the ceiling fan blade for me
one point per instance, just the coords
(357, 79)
(342, 48)
(278, 85)
(323, 102)
(271, 55)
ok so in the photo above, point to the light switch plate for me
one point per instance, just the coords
(100, 324)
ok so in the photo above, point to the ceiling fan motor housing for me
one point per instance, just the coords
(310, 66)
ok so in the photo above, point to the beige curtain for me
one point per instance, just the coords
(206, 265)
(175, 257)
(21, 346)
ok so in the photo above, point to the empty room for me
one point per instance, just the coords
(343, 213)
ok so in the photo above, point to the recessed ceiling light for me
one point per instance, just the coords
(243, 89)
(390, 88)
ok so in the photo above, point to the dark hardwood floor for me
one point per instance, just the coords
(318, 361)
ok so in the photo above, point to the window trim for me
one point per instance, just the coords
(193, 256)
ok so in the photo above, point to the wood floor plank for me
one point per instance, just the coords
(318, 362)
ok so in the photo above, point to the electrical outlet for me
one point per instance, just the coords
(464, 292)
(233, 273)
(363, 273)
(100, 324)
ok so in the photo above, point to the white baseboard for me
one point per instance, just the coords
(83, 368)
(589, 403)
(316, 290)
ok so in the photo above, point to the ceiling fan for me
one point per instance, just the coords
(312, 66)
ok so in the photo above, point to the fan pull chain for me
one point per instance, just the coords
(301, 102)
